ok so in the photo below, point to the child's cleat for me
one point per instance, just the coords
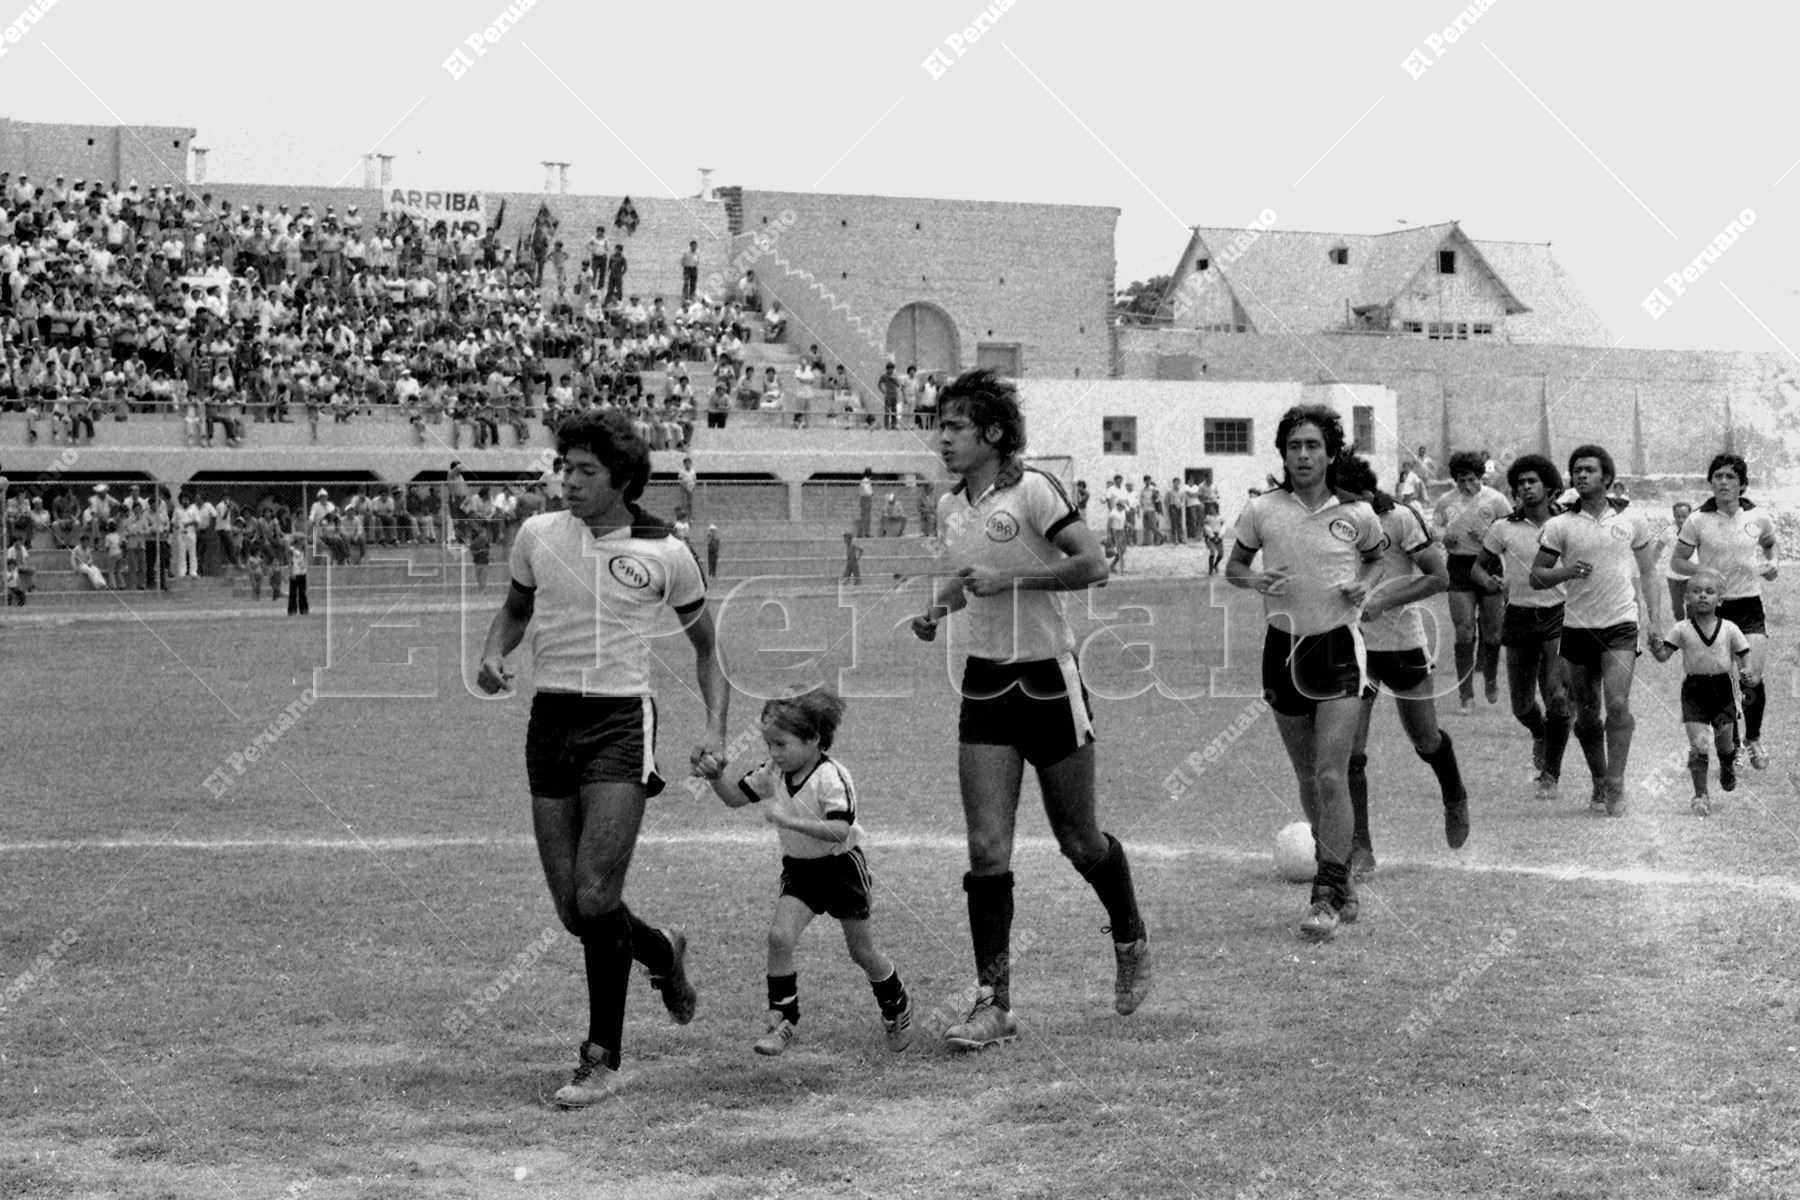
(899, 1029)
(1759, 758)
(1546, 786)
(592, 1082)
(780, 1036)
(1615, 798)
(1597, 802)
(987, 1025)
(1132, 982)
(679, 996)
(1699, 807)
(1320, 923)
(1362, 862)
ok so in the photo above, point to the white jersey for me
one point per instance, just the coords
(1403, 535)
(826, 794)
(1321, 549)
(1730, 545)
(597, 601)
(1701, 655)
(1514, 541)
(1609, 542)
(1462, 520)
(1011, 526)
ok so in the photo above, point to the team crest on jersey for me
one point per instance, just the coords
(1002, 527)
(629, 571)
(1620, 533)
(1343, 530)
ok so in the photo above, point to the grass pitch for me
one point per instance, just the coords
(340, 976)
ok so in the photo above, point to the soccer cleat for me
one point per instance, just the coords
(1728, 773)
(592, 1082)
(1759, 758)
(1467, 707)
(1615, 798)
(780, 1036)
(1699, 807)
(1362, 862)
(679, 996)
(1597, 802)
(1320, 923)
(899, 1029)
(1456, 823)
(987, 1025)
(1132, 982)
(1348, 907)
(1546, 786)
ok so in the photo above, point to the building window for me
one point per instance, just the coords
(1227, 435)
(1202, 264)
(1003, 358)
(1448, 331)
(1482, 329)
(1340, 255)
(1412, 327)
(1118, 435)
(1362, 428)
(1446, 262)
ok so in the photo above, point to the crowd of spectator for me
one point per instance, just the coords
(116, 301)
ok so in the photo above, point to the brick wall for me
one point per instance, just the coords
(1038, 275)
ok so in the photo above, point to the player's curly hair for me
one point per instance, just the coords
(814, 713)
(990, 401)
(1608, 472)
(1736, 463)
(1535, 464)
(1357, 477)
(1330, 426)
(1468, 462)
(607, 435)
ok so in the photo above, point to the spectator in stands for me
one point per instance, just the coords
(865, 503)
(113, 555)
(719, 407)
(774, 322)
(690, 272)
(615, 275)
(1175, 506)
(889, 384)
(927, 508)
(893, 517)
(81, 559)
(597, 260)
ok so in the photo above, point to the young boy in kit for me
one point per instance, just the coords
(1712, 651)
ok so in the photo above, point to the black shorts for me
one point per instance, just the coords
(1586, 647)
(1460, 579)
(1746, 613)
(1707, 700)
(1398, 670)
(837, 885)
(1531, 626)
(1299, 673)
(574, 740)
(1039, 708)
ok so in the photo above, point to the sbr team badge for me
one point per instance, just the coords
(1002, 527)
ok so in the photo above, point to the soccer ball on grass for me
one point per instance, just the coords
(1294, 853)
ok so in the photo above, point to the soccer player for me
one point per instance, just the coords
(595, 578)
(811, 800)
(1531, 631)
(1321, 554)
(1665, 544)
(1594, 548)
(1712, 650)
(1019, 543)
(1393, 631)
(1732, 536)
(1462, 517)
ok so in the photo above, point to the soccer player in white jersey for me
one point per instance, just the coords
(1732, 536)
(1712, 651)
(1603, 554)
(1393, 630)
(1531, 633)
(1461, 518)
(1321, 553)
(593, 582)
(1019, 544)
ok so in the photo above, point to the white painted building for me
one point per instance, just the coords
(1223, 433)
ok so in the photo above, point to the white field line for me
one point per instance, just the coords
(1045, 846)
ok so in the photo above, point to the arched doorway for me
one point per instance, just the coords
(922, 334)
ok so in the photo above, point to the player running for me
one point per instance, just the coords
(1020, 543)
(1321, 554)
(1531, 631)
(1393, 631)
(1603, 553)
(1730, 535)
(1462, 517)
(593, 581)
(1712, 651)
